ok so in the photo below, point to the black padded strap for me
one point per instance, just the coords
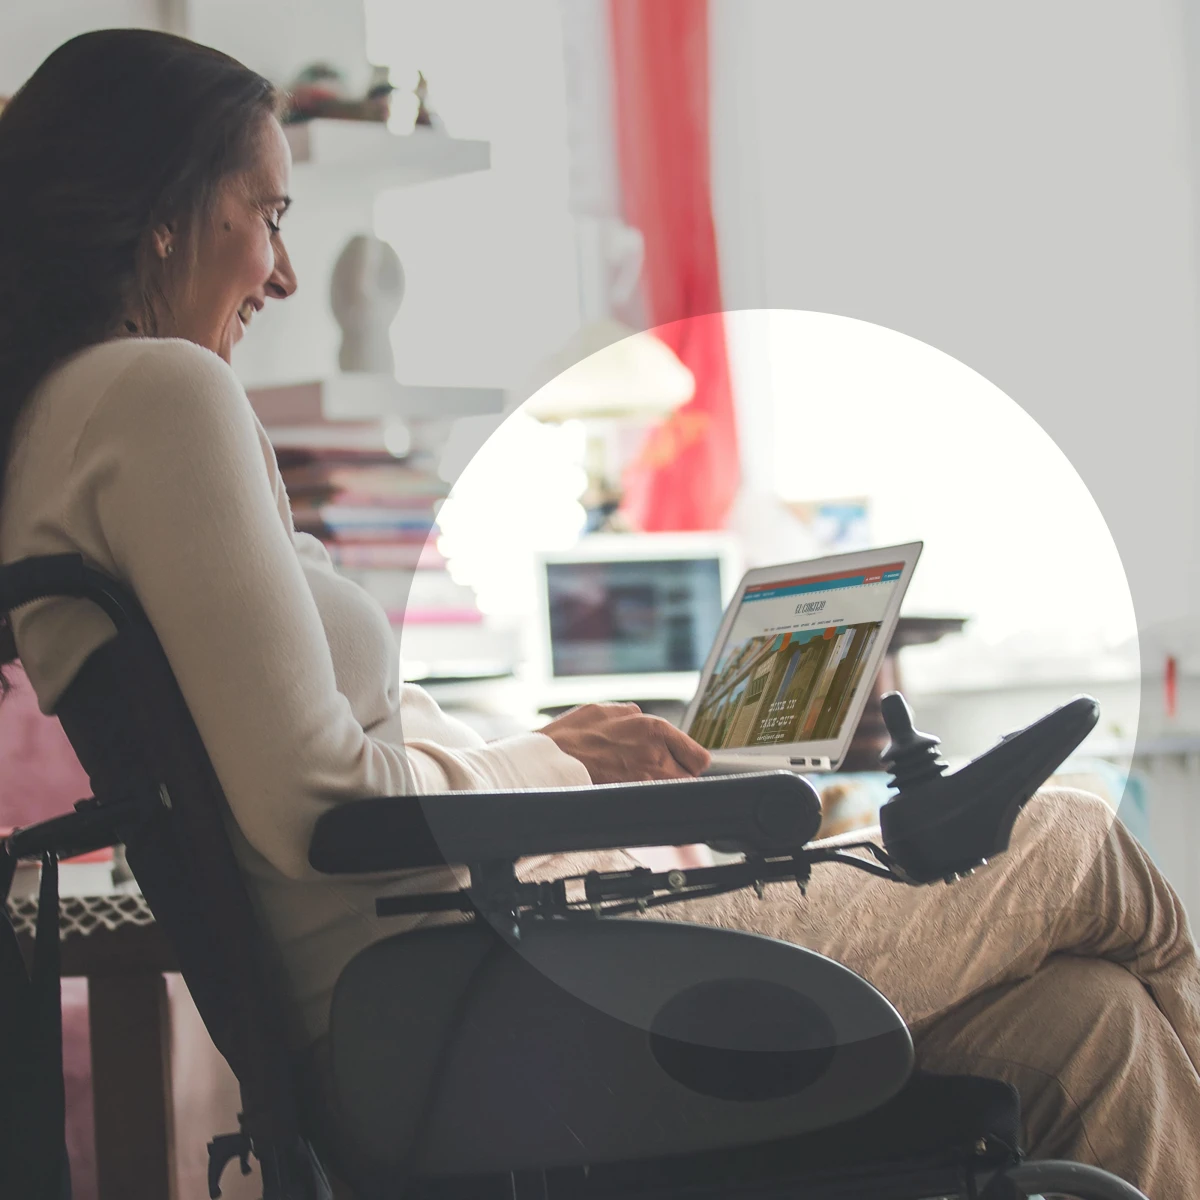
(50, 1138)
(14, 1007)
(32, 1101)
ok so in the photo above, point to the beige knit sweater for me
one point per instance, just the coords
(145, 456)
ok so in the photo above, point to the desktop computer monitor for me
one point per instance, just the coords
(629, 616)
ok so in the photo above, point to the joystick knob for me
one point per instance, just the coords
(912, 756)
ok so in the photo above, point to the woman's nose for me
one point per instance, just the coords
(283, 279)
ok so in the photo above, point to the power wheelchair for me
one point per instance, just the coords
(552, 1048)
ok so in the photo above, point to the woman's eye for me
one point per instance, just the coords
(272, 226)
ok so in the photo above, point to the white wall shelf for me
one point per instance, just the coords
(359, 396)
(367, 155)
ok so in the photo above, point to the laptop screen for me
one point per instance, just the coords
(793, 659)
(632, 617)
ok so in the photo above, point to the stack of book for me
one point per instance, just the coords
(376, 513)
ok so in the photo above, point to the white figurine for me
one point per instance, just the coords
(365, 293)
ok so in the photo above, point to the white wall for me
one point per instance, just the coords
(275, 37)
(278, 37)
(1010, 184)
(30, 30)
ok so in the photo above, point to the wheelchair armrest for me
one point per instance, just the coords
(769, 812)
(90, 826)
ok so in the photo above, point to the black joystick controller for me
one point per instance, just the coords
(942, 826)
(913, 755)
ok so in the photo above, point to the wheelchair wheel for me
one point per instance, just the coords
(1055, 1180)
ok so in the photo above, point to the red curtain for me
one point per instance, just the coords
(687, 474)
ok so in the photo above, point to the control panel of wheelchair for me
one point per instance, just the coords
(937, 826)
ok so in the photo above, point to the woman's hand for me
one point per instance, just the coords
(618, 743)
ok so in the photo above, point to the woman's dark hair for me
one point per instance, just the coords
(117, 132)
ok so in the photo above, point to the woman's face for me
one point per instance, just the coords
(240, 256)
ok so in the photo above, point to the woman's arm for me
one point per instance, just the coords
(170, 468)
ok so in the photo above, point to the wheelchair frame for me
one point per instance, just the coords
(155, 792)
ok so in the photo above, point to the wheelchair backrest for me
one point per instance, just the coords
(130, 727)
(131, 730)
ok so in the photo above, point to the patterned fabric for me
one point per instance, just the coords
(83, 915)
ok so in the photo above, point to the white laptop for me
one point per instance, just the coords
(795, 660)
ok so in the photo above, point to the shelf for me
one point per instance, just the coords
(358, 396)
(367, 154)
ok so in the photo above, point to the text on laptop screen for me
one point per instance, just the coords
(793, 660)
(632, 617)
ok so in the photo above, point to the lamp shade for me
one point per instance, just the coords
(608, 369)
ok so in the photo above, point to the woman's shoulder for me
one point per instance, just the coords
(122, 353)
(132, 379)
(154, 360)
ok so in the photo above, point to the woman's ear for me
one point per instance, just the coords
(163, 238)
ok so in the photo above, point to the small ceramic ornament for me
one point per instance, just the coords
(365, 293)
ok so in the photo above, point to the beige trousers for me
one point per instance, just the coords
(1065, 967)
